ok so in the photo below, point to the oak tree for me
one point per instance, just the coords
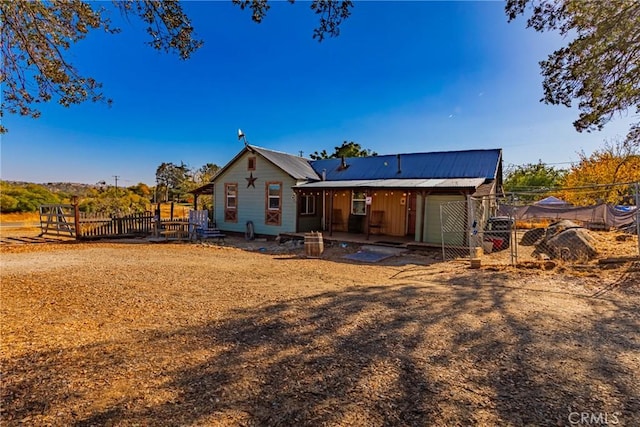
(600, 67)
(174, 180)
(527, 180)
(606, 175)
(36, 35)
(347, 149)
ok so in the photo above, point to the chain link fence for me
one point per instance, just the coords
(508, 232)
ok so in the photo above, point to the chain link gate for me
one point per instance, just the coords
(470, 227)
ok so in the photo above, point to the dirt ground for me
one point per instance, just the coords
(133, 333)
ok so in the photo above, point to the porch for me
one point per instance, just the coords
(374, 239)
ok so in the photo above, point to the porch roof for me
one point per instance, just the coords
(396, 183)
(205, 189)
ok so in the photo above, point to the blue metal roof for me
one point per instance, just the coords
(435, 165)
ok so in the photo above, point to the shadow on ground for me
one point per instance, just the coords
(448, 353)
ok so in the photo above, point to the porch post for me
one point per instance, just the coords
(76, 217)
(330, 212)
(297, 203)
(426, 219)
(419, 216)
(367, 211)
(323, 219)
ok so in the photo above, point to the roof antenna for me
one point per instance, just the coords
(241, 135)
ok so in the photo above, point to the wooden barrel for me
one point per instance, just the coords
(313, 244)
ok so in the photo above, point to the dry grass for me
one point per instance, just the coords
(532, 223)
(30, 217)
(192, 334)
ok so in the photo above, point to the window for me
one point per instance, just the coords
(358, 203)
(251, 163)
(231, 202)
(307, 204)
(273, 196)
(232, 199)
(273, 202)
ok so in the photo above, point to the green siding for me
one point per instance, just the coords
(312, 222)
(432, 229)
(251, 201)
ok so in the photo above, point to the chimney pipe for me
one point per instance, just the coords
(324, 174)
(399, 169)
(343, 164)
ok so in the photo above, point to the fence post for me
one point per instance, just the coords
(471, 221)
(638, 214)
(76, 216)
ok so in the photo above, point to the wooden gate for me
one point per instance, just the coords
(58, 220)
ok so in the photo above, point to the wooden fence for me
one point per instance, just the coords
(68, 220)
(134, 225)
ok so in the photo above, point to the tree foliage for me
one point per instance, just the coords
(605, 174)
(114, 204)
(205, 173)
(27, 197)
(174, 181)
(24, 198)
(347, 149)
(600, 67)
(37, 35)
(533, 177)
(331, 13)
(141, 189)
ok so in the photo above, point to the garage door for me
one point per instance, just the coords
(453, 217)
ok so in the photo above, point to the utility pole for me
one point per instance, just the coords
(116, 177)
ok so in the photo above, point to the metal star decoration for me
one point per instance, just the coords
(251, 181)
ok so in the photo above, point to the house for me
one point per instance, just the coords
(395, 195)
(257, 185)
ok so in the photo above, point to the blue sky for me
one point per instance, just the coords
(402, 77)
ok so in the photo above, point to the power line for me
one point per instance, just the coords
(582, 188)
(542, 163)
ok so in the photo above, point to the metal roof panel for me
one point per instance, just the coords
(434, 165)
(397, 183)
(297, 167)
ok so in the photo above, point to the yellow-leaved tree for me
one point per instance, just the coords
(605, 176)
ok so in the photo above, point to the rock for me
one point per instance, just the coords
(558, 227)
(571, 244)
(533, 236)
(563, 240)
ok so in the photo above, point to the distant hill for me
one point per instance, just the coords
(20, 196)
(71, 188)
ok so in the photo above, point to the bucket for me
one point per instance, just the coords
(497, 243)
(313, 244)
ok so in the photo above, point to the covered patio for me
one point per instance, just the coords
(392, 210)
